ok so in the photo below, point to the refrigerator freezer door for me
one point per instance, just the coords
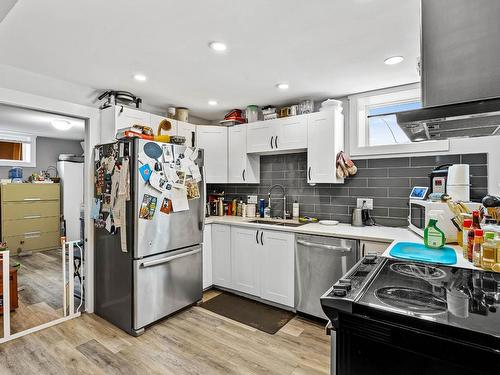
(166, 283)
(166, 232)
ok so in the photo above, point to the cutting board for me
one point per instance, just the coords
(421, 253)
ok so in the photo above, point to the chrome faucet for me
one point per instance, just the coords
(284, 199)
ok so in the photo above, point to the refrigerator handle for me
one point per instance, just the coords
(169, 259)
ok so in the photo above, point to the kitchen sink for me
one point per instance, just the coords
(277, 223)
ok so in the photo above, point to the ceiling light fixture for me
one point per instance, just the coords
(212, 102)
(283, 86)
(393, 60)
(62, 124)
(218, 46)
(140, 77)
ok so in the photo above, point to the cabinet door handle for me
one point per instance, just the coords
(276, 141)
(32, 199)
(32, 217)
(261, 242)
(243, 175)
(272, 141)
(257, 236)
(309, 173)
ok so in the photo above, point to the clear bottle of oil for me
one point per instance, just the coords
(488, 251)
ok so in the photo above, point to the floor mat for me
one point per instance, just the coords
(263, 317)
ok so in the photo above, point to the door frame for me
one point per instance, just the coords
(91, 116)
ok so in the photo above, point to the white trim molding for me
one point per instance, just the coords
(29, 149)
(358, 123)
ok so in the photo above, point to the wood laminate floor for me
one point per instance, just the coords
(195, 341)
(40, 290)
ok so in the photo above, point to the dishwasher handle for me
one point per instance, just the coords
(169, 259)
(323, 246)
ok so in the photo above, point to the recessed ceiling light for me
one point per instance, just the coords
(140, 77)
(218, 46)
(61, 124)
(393, 60)
(283, 86)
(212, 102)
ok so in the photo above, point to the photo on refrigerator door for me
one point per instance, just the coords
(148, 207)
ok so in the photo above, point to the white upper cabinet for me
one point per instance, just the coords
(188, 131)
(242, 168)
(291, 133)
(245, 260)
(155, 121)
(119, 117)
(325, 138)
(213, 140)
(260, 136)
(279, 135)
(277, 267)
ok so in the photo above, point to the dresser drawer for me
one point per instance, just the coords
(30, 210)
(29, 192)
(30, 226)
(33, 242)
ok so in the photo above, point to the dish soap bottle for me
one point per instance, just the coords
(433, 236)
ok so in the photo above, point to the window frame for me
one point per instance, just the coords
(29, 149)
(359, 106)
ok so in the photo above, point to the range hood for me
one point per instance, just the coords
(460, 71)
(471, 119)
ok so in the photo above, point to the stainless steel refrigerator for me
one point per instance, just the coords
(161, 270)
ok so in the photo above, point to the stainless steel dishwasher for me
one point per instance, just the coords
(319, 262)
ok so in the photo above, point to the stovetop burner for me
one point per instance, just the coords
(413, 300)
(418, 270)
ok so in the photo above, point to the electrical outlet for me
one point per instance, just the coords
(252, 199)
(369, 203)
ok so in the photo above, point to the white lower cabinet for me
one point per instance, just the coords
(260, 263)
(245, 260)
(277, 267)
(207, 256)
(221, 255)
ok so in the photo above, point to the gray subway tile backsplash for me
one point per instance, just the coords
(387, 181)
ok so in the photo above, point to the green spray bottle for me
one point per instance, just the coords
(433, 236)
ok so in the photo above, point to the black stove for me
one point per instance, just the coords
(401, 317)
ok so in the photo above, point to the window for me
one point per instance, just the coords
(373, 129)
(17, 149)
(382, 125)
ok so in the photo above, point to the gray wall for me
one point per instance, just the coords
(47, 153)
(387, 181)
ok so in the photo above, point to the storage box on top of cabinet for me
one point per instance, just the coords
(30, 216)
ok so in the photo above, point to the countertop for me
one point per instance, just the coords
(377, 233)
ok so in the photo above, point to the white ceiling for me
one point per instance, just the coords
(27, 121)
(322, 48)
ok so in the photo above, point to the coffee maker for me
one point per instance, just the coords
(366, 216)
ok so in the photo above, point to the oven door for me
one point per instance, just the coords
(366, 346)
(166, 283)
(417, 220)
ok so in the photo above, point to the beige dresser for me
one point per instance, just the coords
(30, 216)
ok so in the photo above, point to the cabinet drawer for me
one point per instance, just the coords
(29, 192)
(30, 226)
(30, 210)
(33, 242)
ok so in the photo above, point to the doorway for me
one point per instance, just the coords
(41, 218)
